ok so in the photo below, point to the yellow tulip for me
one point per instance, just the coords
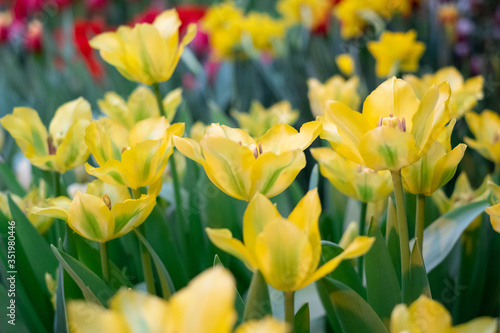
(264, 31)
(134, 159)
(486, 129)
(463, 194)
(146, 53)
(336, 88)
(395, 129)
(436, 167)
(286, 251)
(62, 147)
(205, 305)
(197, 131)
(396, 51)
(345, 63)
(35, 196)
(464, 93)
(104, 213)
(141, 105)
(310, 13)
(354, 180)
(428, 316)
(241, 166)
(259, 120)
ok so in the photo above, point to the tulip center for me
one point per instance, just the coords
(393, 122)
(363, 169)
(255, 148)
(51, 146)
(107, 201)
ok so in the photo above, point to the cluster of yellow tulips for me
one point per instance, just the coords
(393, 148)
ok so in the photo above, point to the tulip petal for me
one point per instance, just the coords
(148, 129)
(359, 246)
(106, 139)
(112, 172)
(116, 193)
(223, 239)
(400, 319)
(142, 105)
(142, 312)
(426, 313)
(189, 148)
(494, 213)
(171, 102)
(344, 147)
(66, 115)
(265, 325)
(90, 317)
(27, 129)
(53, 207)
(89, 217)
(130, 214)
(271, 174)
(284, 254)
(115, 108)
(386, 148)
(259, 212)
(73, 152)
(446, 167)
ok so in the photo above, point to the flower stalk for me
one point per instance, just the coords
(419, 220)
(104, 260)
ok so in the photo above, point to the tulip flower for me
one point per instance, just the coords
(336, 88)
(264, 31)
(395, 129)
(242, 166)
(396, 51)
(140, 105)
(464, 93)
(105, 212)
(436, 167)
(134, 159)
(354, 180)
(206, 305)
(62, 147)
(36, 195)
(285, 251)
(146, 53)
(486, 129)
(426, 316)
(345, 63)
(311, 13)
(259, 120)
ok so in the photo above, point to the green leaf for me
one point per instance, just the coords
(34, 245)
(419, 284)
(314, 179)
(443, 233)
(8, 178)
(354, 315)
(167, 286)
(301, 321)
(217, 261)
(93, 288)
(258, 304)
(61, 317)
(345, 272)
(392, 239)
(382, 286)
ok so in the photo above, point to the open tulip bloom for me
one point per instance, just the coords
(134, 159)
(59, 149)
(242, 166)
(285, 251)
(395, 128)
(103, 213)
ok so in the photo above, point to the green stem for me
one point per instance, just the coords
(159, 99)
(362, 227)
(147, 267)
(404, 243)
(104, 260)
(419, 220)
(289, 307)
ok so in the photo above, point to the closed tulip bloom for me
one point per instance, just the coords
(345, 63)
(146, 53)
(104, 213)
(241, 166)
(464, 93)
(206, 305)
(436, 167)
(354, 180)
(310, 13)
(59, 149)
(259, 120)
(134, 159)
(336, 88)
(428, 316)
(396, 51)
(395, 129)
(486, 130)
(140, 105)
(286, 251)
